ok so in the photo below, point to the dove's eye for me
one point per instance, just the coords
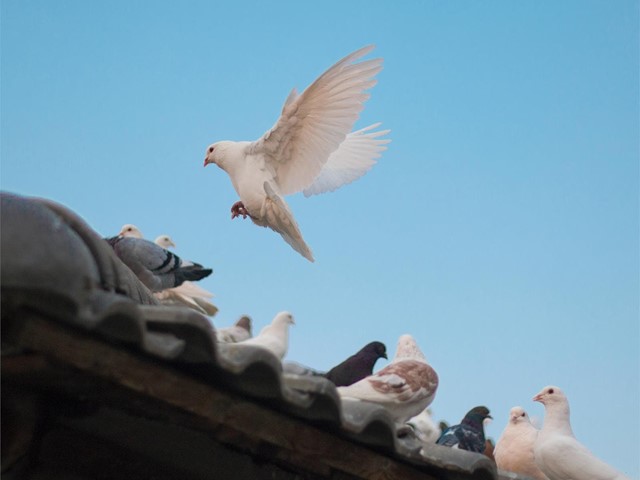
(551, 390)
(210, 149)
(522, 415)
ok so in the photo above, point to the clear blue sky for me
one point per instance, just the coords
(500, 229)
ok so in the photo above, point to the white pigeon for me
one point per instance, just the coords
(238, 332)
(310, 148)
(424, 427)
(164, 241)
(405, 387)
(188, 293)
(557, 452)
(514, 450)
(130, 230)
(274, 337)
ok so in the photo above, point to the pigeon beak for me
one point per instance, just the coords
(384, 355)
(206, 161)
(538, 398)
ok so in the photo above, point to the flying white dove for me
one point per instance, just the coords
(310, 148)
(514, 450)
(188, 293)
(557, 452)
(238, 332)
(274, 337)
(405, 387)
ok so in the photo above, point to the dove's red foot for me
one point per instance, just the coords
(238, 209)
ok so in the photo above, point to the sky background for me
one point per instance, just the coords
(500, 228)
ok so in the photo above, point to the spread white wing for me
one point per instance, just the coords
(353, 158)
(312, 125)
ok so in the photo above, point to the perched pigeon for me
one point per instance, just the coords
(130, 230)
(557, 452)
(154, 266)
(405, 387)
(164, 241)
(469, 434)
(514, 450)
(424, 427)
(238, 332)
(357, 366)
(187, 294)
(274, 337)
(308, 149)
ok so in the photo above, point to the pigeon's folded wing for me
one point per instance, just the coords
(353, 158)
(398, 382)
(313, 124)
(565, 457)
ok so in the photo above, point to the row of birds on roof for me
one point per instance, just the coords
(312, 149)
(405, 388)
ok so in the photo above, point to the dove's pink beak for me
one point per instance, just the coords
(538, 398)
(205, 162)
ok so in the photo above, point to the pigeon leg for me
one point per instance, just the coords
(238, 209)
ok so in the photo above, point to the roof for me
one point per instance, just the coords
(76, 322)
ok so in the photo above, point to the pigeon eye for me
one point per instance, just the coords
(551, 390)
(522, 414)
(210, 149)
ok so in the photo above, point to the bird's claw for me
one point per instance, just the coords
(238, 209)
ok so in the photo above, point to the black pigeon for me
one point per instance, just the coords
(469, 434)
(157, 268)
(357, 366)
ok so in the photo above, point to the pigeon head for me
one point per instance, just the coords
(244, 322)
(476, 416)
(165, 241)
(408, 349)
(217, 153)
(375, 349)
(130, 230)
(283, 318)
(550, 395)
(518, 415)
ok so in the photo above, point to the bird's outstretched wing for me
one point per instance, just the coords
(312, 125)
(353, 158)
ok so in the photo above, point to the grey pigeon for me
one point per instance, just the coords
(155, 267)
(357, 366)
(469, 434)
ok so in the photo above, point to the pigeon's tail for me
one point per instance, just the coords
(191, 273)
(280, 219)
